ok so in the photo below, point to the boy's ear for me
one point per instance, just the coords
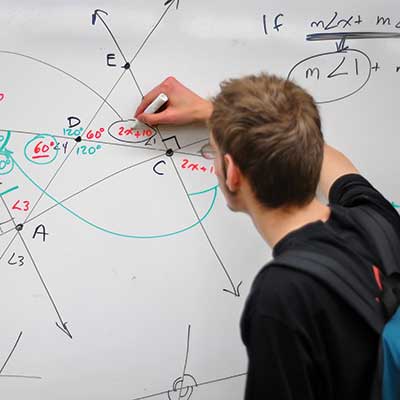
(233, 173)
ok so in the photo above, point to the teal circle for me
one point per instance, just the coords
(41, 136)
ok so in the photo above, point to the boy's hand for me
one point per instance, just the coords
(183, 107)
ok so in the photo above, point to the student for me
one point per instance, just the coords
(303, 341)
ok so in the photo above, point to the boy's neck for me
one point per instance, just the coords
(273, 225)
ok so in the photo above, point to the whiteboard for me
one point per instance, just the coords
(123, 274)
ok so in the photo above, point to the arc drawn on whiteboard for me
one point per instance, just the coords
(115, 233)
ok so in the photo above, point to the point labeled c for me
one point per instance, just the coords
(155, 167)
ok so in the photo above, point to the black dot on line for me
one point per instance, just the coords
(169, 153)
(127, 65)
(78, 139)
(19, 227)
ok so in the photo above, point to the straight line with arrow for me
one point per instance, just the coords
(97, 14)
(234, 289)
(60, 324)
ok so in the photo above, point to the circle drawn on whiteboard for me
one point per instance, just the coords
(131, 131)
(42, 149)
(182, 388)
(333, 76)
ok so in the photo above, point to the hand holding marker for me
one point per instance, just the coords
(184, 106)
(155, 105)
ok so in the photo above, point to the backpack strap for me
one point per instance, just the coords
(341, 277)
(381, 234)
(386, 242)
(338, 278)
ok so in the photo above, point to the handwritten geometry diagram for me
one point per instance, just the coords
(8, 358)
(51, 150)
(184, 386)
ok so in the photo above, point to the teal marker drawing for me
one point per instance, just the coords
(214, 189)
(41, 149)
(395, 205)
(4, 144)
(9, 190)
(203, 191)
(6, 164)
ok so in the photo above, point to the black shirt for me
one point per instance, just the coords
(302, 340)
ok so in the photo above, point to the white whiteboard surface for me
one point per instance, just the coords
(136, 286)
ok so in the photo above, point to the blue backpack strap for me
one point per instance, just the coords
(340, 279)
(391, 358)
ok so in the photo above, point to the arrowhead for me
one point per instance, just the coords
(235, 291)
(168, 2)
(64, 329)
(340, 46)
(96, 13)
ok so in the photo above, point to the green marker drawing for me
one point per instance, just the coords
(9, 190)
(44, 136)
(130, 236)
(203, 191)
(3, 146)
(5, 155)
